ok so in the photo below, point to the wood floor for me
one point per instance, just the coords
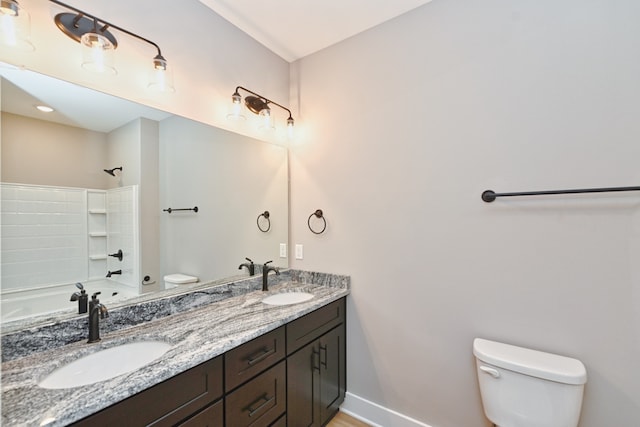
(343, 420)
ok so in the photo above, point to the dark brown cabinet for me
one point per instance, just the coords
(292, 376)
(316, 373)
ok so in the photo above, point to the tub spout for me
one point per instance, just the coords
(110, 273)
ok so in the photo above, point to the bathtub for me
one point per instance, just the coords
(21, 304)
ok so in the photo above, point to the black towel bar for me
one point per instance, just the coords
(195, 209)
(490, 195)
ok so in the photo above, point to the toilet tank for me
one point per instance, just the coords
(528, 388)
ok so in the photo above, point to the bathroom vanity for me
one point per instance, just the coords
(235, 362)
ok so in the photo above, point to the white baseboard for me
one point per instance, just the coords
(376, 415)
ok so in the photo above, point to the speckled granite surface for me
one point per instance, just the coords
(200, 325)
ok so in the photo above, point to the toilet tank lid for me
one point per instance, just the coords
(534, 363)
(180, 278)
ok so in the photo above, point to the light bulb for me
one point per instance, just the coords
(290, 131)
(266, 120)
(15, 26)
(235, 111)
(161, 78)
(97, 53)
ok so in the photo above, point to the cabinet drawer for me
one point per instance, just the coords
(282, 422)
(310, 326)
(259, 402)
(213, 416)
(248, 360)
(167, 403)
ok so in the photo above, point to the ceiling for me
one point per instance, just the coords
(74, 106)
(296, 28)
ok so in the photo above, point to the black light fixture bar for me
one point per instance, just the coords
(490, 195)
(105, 26)
(266, 102)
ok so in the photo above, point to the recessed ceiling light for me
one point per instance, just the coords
(44, 108)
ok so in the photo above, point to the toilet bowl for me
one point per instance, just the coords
(528, 388)
(174, 280)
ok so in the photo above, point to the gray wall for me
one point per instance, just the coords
(407, 124)
(232, 179)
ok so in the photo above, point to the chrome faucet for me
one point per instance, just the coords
(249, 266)
(265, 275)
(97, 311)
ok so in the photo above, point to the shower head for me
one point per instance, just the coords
(112, 172)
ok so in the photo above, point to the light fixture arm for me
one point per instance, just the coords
(106, 25)
(266, 100)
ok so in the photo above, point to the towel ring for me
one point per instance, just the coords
(318, 214)
(264, 214)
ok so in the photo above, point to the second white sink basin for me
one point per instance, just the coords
(105, 364)
(287, 298)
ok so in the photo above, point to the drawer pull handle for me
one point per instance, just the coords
(260, 355)
(323, 348)
(266, 399)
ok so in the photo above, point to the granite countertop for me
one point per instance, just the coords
(197, 335)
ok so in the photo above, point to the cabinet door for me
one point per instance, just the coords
(332, 356)
(303, 375)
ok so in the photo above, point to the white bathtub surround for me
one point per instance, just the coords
(44, 235)
(62, 235)
(123, 234)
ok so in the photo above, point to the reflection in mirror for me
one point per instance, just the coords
(64, 220)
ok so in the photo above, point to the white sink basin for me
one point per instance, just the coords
(105, 364)
(287, 298)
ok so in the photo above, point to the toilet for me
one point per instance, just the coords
(173, 280)
(528, 388)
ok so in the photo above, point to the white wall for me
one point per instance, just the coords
(41, 152)
(407, 124)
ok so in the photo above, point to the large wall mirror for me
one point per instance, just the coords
(86, 193)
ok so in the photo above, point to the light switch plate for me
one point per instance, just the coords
(299, 253)
(283, 250)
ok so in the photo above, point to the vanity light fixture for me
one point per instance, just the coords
(99, 44)
(15, 26)
(257, 104)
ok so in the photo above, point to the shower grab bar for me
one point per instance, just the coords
(490, 195)
(195, 209)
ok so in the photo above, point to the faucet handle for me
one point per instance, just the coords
(95, 295)
(265, 264)
(79, 286)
